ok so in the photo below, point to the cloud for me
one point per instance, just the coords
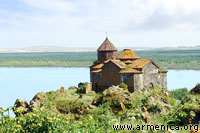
(110, 15)
(122, 15)
(77, 17)
(56, 6)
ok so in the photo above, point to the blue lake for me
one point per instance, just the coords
(24, 83)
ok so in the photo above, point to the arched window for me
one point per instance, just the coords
(151, 85)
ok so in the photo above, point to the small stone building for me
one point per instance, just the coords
(127, 68)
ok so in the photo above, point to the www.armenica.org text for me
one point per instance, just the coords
(156, 127)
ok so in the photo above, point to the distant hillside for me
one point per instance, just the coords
(60, 49)
(46, 49)
(85, 49)
(179, 48)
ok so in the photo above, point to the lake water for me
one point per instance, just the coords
(24, 83)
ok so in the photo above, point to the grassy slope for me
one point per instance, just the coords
(58, 112)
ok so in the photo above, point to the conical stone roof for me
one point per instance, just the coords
(128, 54)
(107, 46)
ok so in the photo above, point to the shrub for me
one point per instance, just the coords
(124, 86)
(179, 93)
(81, 89)
(45, 120)
(40, 120)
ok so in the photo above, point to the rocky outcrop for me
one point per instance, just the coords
(79, 110)
(35, 102)
(23, 107)
(116, 97)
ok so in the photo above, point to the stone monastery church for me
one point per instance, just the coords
(127, 67)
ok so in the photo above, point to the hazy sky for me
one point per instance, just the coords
(84, 23)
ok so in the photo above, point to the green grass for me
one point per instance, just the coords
(56, 112)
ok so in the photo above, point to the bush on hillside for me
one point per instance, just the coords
(179, 93)
(124, 86)
(81, 89)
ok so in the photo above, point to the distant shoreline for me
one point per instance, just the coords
(169, 59)
(43, 67)
(79, 67)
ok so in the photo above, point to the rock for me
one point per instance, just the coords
(24, 106)
(196, 89)
(34, 103)
(51, 92)
(80, 110)
(145, 117)
(151, 101)
(192, 131)
(62, 90)
(122, 106)
(72, 87)
(19, 103)
(98, 101)
(91, 106)
(165, 93)
(168, 107)
(137, 116)
(37, 97)
(81, 96)
(26, 103)
(116, 97)
(144, 109)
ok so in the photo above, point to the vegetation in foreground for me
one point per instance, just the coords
(170, 59)
(71, 110)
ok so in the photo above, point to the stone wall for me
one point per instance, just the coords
(108, 77)
(96, 79)
(163, 77)
(128, 79)
(151, 76)
(138, 82)
(107, 55)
